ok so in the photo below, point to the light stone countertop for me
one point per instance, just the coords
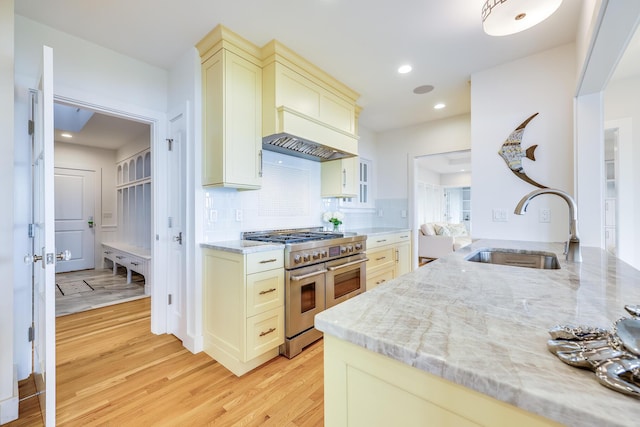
(375, 231)
(485, 327)
(242, 246)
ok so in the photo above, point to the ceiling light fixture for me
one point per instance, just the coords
(504, 17)
(439, 106)
(66, 135)
(404, 69)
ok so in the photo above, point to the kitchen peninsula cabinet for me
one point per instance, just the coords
(243, 307)
(232, 111)
(389, 256)
(340, 178)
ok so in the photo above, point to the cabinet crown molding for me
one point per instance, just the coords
(222, 37)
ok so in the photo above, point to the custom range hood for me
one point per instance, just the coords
(295, 146)
(305, 112)
(303, 136)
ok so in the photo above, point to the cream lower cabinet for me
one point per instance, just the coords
(340, 178)
(243, 307)
(389, 257)
(366, 389)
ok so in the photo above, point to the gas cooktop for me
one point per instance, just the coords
(290, 236)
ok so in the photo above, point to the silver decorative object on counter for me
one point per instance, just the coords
(612, 355)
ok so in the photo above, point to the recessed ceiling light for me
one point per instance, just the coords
(439, 106)
(404, 69)
(66, 135)
(423, 89)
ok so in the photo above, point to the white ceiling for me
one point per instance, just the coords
(360, 42)
(102, 131)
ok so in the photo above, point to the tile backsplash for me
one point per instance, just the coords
(289, 198)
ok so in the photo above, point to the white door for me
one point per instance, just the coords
(176, 203)
(74, 217)
(43, 255)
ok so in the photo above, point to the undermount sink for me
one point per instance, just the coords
(528, 259)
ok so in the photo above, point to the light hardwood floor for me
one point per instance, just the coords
(113, 371)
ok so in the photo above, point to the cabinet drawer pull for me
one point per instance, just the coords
(135, 263)
(107, 252)
(119, 256)
(381, 258)
(380, 281)
(404, 237)
(380, 241)
(268, 291)
(267, 332)
(266, 261)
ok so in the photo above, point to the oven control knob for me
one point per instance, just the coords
(297, 259)
(306, 257)
(316, 255)
(343, 250)
(324, 254)
(358, 246)
(350, 248)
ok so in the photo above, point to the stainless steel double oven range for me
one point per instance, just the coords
(322, 269)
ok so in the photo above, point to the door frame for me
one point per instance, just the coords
(158, 125)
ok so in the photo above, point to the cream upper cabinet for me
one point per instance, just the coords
(302, 100)
(340, 178)
(232, 111)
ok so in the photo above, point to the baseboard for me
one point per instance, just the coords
(9, 407)
(193, 343)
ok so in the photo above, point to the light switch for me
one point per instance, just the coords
(499, 215)
(544, 215)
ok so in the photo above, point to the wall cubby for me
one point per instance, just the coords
(134, 200)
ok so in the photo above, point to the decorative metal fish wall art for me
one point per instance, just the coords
(512, 153)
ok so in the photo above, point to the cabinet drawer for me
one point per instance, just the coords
(379, 278)
(265, 291)
(262, 261)
(264, 332)
(403, 237)
(380, 257)
(138, 265)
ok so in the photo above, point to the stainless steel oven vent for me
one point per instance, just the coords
(294, 146)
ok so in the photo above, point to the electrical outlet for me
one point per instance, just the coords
(544, 215)
(238, 214)
(380, 212)
(213, 215)
(403, 213)
(499, 215)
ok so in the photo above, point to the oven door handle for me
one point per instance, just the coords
(347, 264)
(304, 276)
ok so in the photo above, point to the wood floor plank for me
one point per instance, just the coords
(112, 371)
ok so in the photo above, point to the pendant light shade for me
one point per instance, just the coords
(504, 17)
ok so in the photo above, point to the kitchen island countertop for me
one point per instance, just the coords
(485, 327)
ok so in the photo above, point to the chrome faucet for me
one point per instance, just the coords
(572, 246)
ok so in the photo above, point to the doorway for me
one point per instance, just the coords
(90, 149)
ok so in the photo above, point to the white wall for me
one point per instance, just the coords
(91, 75)
(8, 401)
(501, 98)
(397, 148)
(621, 102)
